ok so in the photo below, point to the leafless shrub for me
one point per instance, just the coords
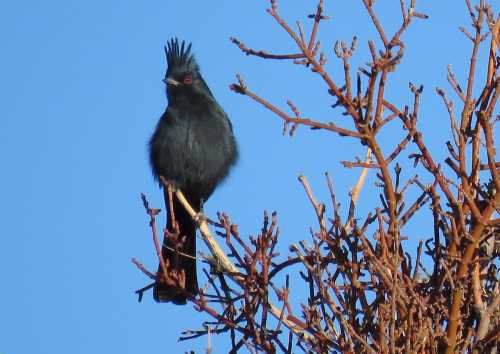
(366, 293)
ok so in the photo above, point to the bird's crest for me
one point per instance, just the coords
(179, 57)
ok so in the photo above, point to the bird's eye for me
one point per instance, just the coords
(188, 80)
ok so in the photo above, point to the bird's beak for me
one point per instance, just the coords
(170, 81)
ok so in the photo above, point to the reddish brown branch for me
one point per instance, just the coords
(242, 89)
(264, 54)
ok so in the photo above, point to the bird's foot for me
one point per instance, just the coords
(200, 218)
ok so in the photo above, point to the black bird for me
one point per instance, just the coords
(193, 146)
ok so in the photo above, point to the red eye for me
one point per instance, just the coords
(188, 80)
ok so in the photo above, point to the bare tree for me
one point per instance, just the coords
(366, 293)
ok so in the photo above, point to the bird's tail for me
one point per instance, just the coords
(179, 257)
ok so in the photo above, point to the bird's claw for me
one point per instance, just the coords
(200, 218)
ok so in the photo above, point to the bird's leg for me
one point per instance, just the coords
(200, 215)
(202, 204)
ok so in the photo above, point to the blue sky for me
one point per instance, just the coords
(81, 92)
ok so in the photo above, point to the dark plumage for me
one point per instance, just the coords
(193, 146)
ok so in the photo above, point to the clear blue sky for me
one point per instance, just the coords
(80, 94)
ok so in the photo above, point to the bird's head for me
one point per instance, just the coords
(183, 78)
